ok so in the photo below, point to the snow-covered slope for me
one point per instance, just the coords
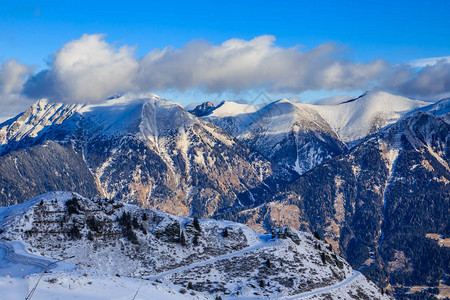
(86, 286)
(351, 120)
(378, 202)
(27, 128)
(357, 118)
(440, 108)
(205, 258)
(233, 117)
(293, 137)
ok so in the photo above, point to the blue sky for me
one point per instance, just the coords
(394, 31)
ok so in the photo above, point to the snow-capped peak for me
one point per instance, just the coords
(355, 119)
(35, 121)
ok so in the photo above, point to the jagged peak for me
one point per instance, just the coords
(203, 109)
(41, 102)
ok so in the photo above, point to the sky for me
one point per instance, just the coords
(192, 51)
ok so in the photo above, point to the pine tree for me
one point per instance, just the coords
(135, 223)
(197, 224)
(317, 235)
(182, 239)
(74, 233)
(323, 257)
(73, 207)
(195, 241)
(225, 232)
(190, 286)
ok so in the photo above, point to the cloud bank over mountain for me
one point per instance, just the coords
(89, 69)
(431, 80)
(86, 69)
(12, 77)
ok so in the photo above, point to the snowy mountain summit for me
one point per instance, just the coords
(355, 119)
(205, 258)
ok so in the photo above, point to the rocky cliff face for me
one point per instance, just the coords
(299, 136)
(135, 149)
(377, 204)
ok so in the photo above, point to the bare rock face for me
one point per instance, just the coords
(144, 150)
(382, 204)
(378, 204)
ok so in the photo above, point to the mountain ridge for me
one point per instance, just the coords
(147, 149)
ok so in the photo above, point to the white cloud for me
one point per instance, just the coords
(237, 65)
(420, 63)
(430, 81)
(12, 76)
(89, 69)
(86, 70)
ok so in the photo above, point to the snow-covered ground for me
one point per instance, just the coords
(20, 271)
(83, 286)
(104, 263)
(66, 282)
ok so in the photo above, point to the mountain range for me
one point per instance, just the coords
(369, 175)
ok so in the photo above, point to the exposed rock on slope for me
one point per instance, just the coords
(40, 168)
(299, 136)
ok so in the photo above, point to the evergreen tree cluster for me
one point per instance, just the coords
(197, 225)
(126, 222)
(72, 206)
(74, 233)
(93, 224)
